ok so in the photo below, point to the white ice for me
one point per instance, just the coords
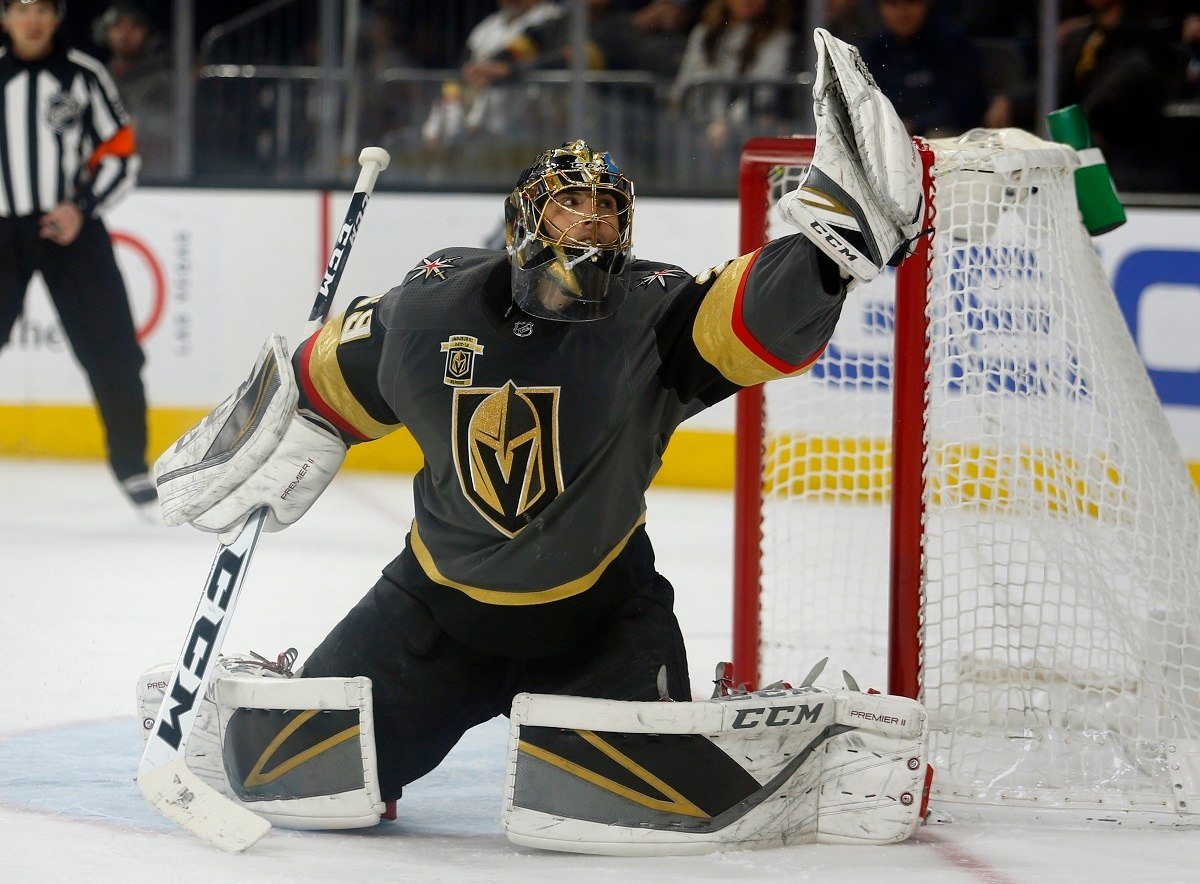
(91, 597)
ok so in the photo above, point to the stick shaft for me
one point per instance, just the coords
(343, 242)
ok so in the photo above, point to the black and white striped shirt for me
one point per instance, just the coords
(64, 135)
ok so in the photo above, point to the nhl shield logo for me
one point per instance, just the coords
(62, 111)
(460, 351)
(506, 452)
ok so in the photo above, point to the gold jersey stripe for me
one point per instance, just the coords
(714, 336)
(522, 48)
(538, 597)
(326, 376)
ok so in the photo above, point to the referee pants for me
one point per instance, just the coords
(93, 306)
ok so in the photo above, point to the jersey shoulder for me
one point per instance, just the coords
(655, 277)
(653, 285)
(443, 264)
(439, 284)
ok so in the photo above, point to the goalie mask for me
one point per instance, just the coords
(569, 230)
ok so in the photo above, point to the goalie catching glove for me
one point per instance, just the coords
(255, 449)
(861, 199)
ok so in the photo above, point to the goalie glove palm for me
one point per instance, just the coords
(860, 201)
(255, 449)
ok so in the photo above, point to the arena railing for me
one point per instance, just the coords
(259, 123)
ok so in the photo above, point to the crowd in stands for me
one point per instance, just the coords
(948, 65)
(724, 69)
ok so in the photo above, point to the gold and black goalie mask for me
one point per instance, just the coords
(569, 231)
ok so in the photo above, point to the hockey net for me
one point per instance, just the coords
(1028, 564)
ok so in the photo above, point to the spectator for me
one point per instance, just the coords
(141, 68)
(929, 68)
(380, 45)
(1006, 36)
(664, 16)
(447, 120)
(487, 62)
(386, 107)
(1114, 67)
(1012, 20)
(614, 41)
(851, 20)
(735, 39)
(662, 27)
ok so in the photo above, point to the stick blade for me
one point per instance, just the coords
(182, 797)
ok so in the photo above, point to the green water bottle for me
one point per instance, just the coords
(1094, 189)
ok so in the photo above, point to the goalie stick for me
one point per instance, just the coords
(163, 776)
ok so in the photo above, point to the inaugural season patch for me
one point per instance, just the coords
(460, 351)
(505, 443)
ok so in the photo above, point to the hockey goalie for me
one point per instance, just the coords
(542, 383)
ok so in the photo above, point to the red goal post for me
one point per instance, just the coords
(759, 157)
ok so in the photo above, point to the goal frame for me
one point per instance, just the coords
(759, 156)
(1038, 555)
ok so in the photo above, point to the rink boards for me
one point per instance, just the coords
(212, 273)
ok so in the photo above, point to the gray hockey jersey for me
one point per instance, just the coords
(540, 438)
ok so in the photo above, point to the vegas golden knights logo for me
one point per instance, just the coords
(460, 351)
(506, 452)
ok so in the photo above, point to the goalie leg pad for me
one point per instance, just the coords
(873, 775)
(861, 200)
(298, 752)
(751, 770)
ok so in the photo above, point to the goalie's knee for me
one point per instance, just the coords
(298, 752)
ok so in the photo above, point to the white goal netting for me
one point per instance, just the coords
(1060, 646)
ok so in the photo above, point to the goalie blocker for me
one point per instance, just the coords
(771, 768)
(299, 752)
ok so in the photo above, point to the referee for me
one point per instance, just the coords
(67, 152)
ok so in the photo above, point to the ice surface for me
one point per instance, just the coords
(91, 597)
